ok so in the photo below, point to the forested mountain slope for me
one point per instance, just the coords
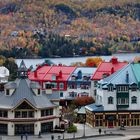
(64, 28)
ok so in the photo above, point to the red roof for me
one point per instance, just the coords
(45, 73)
(108, 68)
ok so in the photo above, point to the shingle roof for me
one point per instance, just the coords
(22, 92)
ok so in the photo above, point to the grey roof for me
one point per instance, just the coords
(10, 85)
(35, 85)
(24, 92)
(119, 77)
(94, 108)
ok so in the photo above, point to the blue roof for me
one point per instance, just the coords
(94, 108)
(120, 77)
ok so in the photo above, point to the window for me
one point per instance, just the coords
(110, 87)
(134, 87)
(48, 85)
(3, 114)
(73, 86)
(84, 86)
(134, 100)
(122, 101)
(46, 112)
(53, 77)
(54, 85)
(61, 94)
(24, 114)
(61, 85)
(122, 88)
(72, 94)
(110, 100)
(38, 92)
(7, 92)
(95, 83)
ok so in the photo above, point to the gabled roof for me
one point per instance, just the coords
(22, 66)
(22, 92)
(107, 68)
(45, 73)
(129, 74)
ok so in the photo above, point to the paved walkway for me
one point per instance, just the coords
(128, 133)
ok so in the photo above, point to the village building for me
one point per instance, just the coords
(79, 82)
(25, 108)
(118, 99)
(4, 75)
(53, 79)
(104, 70)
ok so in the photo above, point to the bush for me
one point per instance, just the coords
(72, 129)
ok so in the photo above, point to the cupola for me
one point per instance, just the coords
(22, 70)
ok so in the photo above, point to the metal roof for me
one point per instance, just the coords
(106, 67)
(23, 92)
(94, 108)
(120, 77)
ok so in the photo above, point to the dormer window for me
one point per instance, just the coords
(73, 77)
(105, 75)
(134, 87)
(53, 77)
(7, 92)
(110, 87)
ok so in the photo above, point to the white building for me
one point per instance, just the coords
(117, 99)
(25, 108)
(4, 74)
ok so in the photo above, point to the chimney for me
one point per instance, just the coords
(35, 73)
(127, 77)
(114, 60)
(60, 73)
(112, 70)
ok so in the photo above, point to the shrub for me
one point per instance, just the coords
(72, 129)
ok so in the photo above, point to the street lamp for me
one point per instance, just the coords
(84, 130)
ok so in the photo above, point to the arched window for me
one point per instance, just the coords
(133, 100)
(110, 100)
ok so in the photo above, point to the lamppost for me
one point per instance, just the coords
(84, 130)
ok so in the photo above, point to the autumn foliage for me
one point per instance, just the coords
(81, 101)
(93, 62)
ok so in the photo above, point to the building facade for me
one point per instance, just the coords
(117, 99)
(25, 108)
(104, 70)
(79, 82)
